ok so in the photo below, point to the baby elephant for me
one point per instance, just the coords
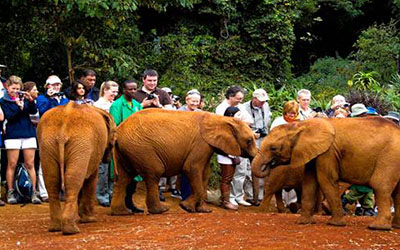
(278, 178)
(73, 139)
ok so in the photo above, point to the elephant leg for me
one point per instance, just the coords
(383, 191)
(396, 201)
(256, 189)
(279, 202)
(329, 187)
(201, 206)
(264, 205)
(153, 203)
(73, 183)
(118, 206)
(308, 196)
(51, 174)
(87, 200)
(194, 174)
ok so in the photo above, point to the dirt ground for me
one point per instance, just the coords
(26, 228)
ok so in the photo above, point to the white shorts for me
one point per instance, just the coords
(24, 143)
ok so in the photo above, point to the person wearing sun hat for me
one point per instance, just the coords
(53, 97)
(393, 116)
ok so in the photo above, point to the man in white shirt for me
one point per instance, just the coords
(260, 112)
(304, 99)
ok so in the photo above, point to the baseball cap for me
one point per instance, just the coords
(166, 89)
(52, 80)
(261, 95)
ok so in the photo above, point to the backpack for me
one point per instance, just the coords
(23, 184)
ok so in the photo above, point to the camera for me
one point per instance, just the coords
(176, 98)
(150, 97)
(262, 131)
(59, 94)
(346, 105)
(21, 94)
(318, 109)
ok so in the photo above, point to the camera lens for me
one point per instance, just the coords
(150, 96)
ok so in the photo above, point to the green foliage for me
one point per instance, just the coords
(329, 71)
(378, 49)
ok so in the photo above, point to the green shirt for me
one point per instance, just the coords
(121, 109)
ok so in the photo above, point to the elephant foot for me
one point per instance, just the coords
(396, 225)
(88, 219)
(340, 222)
(68, 229)
(375, 226)
(305, 220)
(189, 209)
(203, 209)
(158, 210)
(120, 211)
(55, 227)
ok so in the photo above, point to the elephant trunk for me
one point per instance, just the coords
(258, 167)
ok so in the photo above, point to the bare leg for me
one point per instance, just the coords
(29, 160)
(12, 160)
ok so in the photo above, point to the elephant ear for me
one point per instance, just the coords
(311, 138)
(220, 132)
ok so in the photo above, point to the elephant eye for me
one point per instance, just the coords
(273, 148)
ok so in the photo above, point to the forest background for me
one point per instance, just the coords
(328, 46)
(348, 47)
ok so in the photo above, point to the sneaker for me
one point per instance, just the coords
(369, 212)
(359, 211)
(11, 197)
(228, 205)
(243, 202)
(233, 202)
(293, 207)
(35, 198)
(176, 194)
(2, 203)
(44, 199)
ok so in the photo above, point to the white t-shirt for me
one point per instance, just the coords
(103, 104)
(278, 121)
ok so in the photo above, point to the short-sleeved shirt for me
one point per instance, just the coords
(140, 95)
(121, 109)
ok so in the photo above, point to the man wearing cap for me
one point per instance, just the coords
(393, 116)
(259, 110)
(149, 96)
(53, 97)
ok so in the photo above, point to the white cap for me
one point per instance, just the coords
(3, 66)
(166, 89)
(261, 95)
(53, 79)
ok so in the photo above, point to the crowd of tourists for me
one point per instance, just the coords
(21, 107)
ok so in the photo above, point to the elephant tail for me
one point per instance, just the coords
(61, 149)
